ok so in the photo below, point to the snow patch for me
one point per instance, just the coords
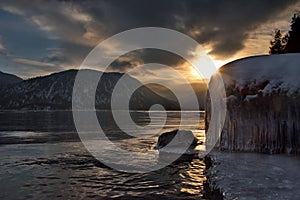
(231, 98)
(250, 97)
(281, 70)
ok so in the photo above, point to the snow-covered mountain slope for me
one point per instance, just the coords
(55, 92)
(263, 104)
(6, 79)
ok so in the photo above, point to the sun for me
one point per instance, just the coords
(203, 67)
(204, 73)
(220, 63)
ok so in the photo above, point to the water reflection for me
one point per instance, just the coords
(47, 161)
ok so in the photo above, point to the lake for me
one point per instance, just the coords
(42, 157)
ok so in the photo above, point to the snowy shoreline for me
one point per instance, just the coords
(254, 176)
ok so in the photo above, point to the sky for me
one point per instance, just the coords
(46, 36)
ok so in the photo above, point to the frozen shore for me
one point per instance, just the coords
(255, 176)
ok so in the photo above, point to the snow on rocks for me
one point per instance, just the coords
(263, 109)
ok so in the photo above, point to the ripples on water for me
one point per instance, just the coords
(42, 158)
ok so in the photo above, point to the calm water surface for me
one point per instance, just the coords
(43, 158)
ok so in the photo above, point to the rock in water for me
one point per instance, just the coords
(177, 141)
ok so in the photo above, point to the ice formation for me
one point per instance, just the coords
(263, 104)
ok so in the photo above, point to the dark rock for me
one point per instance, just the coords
(184, 141)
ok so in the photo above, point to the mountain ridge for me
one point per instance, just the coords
(7, 79)
(54, 92)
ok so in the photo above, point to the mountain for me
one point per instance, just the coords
(6, 79)
(263, 95)
(55, 92)
(200, 90)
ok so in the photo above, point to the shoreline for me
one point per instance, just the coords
(240, 175)
(209, 191)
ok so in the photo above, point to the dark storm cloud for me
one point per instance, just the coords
(80, 25)
(138, 57)
(225, 24)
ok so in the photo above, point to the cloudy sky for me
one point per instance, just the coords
(46, 36)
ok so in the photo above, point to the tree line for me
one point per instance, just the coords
(290, 42)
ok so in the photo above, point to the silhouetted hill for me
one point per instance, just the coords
(6, 79)
(55, 92)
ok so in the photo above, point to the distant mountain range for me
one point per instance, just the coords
(7, 79)
(200, 89)
(54, 92)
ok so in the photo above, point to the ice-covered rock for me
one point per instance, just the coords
(263, 104)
